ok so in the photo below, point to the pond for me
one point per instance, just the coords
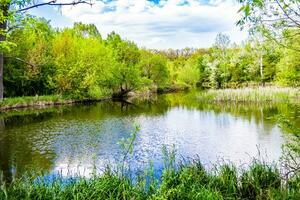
(75, 139)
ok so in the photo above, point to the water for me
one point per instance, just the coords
(74, 139)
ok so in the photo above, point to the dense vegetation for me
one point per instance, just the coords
(252, 95)
(77, 62)
(189, 181)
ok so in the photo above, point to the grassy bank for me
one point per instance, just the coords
(189, 181)
(50, 100)
(259, 94)
(40, 101)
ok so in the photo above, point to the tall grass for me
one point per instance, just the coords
(188, 181)
(259, 95)
(30, 100)
(35, 101)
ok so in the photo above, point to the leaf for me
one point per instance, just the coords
(241, 8)
(247, 10)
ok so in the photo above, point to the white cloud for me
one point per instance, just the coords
(169, 24)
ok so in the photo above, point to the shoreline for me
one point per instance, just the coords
(44, 104)
(38, 102)
(276, 94)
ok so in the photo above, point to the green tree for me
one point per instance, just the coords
(82, 63)
(289, 65)
(154, 68)
(220, 73)
(189, 74)
(12, 11)
(30, 65)
(124, 75)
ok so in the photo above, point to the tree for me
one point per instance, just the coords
(10, 11)
(82, 62)
(288, 68)
(86, 30)
(204, 71)
(189, 73)
(154, 68)
(124, 75)
(34, 47)
(271, 17)
(220, 73)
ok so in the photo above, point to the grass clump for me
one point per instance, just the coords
(32, 101)
(106, 186)
(259, 94)
(188, 181)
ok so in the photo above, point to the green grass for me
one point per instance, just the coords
(259, 94)
(32, 101)
(188, 181)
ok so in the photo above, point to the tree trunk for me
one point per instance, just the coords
(261, 70)
(1, 76)
(3, 26)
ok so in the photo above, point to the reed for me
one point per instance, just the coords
(259, 95)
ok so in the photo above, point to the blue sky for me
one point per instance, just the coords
(157, 24)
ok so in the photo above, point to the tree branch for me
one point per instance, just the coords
(21, 60)
(53, 3)
(291, 8)
(286, 14)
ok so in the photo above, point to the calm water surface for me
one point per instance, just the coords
(73, 139)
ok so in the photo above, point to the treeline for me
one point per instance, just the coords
(79, 63)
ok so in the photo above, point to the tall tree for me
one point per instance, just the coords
(10, 10)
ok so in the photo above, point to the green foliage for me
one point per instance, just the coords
(124, 75)
(259, 182)
(78, 63)
(259, 95)
(154, 68)
(288, 66)
(33, 42)
(291, 150)
(81, 64)
(190, 181)
(189, 73)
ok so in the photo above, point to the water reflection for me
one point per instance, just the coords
(75, 139)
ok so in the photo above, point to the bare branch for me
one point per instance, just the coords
(53, 3)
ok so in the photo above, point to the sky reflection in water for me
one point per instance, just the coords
(70, 140)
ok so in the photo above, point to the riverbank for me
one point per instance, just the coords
(241, 95)
(53, 100)
(188, 181)
(42, 101)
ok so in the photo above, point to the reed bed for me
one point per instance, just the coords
(258, 95)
